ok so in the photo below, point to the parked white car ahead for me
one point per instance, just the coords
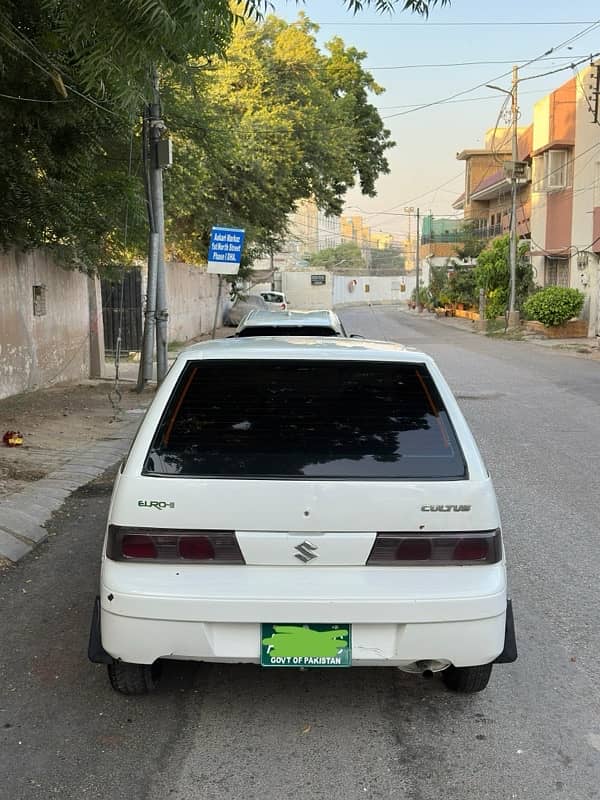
(290, 323)
(277, 300)
(298, 503)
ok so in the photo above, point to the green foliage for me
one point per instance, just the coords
(424, 296)
(462, 286)
(346, 257)
(438, 286)
(493, 275)
(253, 132)
(275, 121)
(496, 303)
(554, 305)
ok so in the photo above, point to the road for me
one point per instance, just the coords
(227, 732)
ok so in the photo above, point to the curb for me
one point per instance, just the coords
(551, 345)
(24, 514)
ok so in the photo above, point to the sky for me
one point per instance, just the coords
(424, 169)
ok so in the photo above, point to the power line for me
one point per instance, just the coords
(452, 102)
(30, 99)
(54, 74)
(469, 24)
(468, 63)
(444, 100)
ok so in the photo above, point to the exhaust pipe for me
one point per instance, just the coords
(424, 668)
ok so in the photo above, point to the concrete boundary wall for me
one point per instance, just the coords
(192, 297)
(50, 329)
(350, 290)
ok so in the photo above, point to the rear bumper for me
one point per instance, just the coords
(464, 643)
(398, 616)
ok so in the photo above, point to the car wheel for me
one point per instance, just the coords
(134, 678)
(467, 679)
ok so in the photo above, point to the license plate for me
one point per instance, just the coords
(305, 645)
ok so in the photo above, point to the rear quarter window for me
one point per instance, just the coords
(276, 419)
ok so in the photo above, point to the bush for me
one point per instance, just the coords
(496, 303)
(554, 305)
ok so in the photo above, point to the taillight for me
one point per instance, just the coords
(138, 547)
(283, 306)
(440, 549)
(166, 545)
(196, 548)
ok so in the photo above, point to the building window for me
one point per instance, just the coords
(552, 171)
(556, 272)
(39, 300)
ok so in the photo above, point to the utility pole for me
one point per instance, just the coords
(513, 314)
(156, 316)
(409, 211)
(515, 173)
(595, 96)
(417, 259)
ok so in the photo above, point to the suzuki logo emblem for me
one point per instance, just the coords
(306, 552)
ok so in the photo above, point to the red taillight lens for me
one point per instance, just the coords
(283, 306)
(165, 545)
(414, 550)
(133, 546)
(472, 550)
(437, 549)
(196, 548)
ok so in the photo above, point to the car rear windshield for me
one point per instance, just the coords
(287, 330)
(308, 420)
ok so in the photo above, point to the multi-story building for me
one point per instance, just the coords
(311, 230)
(486, 200)
(565, 208)
(558, 201)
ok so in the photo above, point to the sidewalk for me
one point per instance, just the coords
(588, 348)
(72, 433)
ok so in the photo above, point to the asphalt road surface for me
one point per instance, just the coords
(228, 732)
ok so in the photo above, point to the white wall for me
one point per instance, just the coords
(302, 294)
(586, 196)
(348, 290)
(39, 350)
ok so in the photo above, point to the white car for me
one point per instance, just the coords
(275, 299)
(290, 323)
(296, 503)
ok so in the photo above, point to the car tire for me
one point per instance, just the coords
(134, 679)
(467, 680)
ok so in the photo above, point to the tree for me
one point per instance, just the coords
(492, 274)
(346, 257)
(107, 46)
(274, 122)
(77, 75)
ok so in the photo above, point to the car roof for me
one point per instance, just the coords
(292, 319)
(303, 348)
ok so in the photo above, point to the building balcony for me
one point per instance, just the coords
(435, 238)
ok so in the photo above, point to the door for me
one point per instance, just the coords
(122, 312)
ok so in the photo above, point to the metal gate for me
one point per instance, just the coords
(122, 308)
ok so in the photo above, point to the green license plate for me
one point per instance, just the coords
(305, 645)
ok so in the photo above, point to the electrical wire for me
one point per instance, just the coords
(52, 75)
(444, 100)
(584, 92)
(469, 24)
(465, 63)
(30, 99)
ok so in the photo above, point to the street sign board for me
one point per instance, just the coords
(225, 250)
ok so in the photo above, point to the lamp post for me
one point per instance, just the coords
(410, 211)
(513, 314)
